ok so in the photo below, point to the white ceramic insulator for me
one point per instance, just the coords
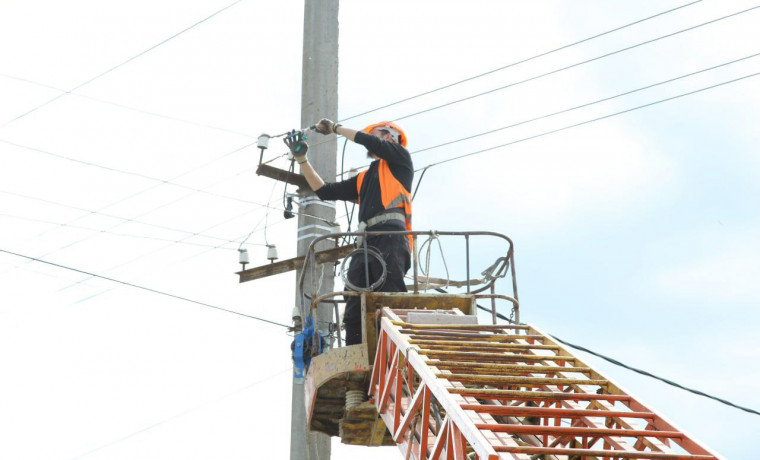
(272, 252)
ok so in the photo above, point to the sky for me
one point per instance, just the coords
(126, 134)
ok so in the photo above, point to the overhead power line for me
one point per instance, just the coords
(147, 189)
(155, 291)
(546, 133)
(513, 65)
(156, 179)
(112, 216)
(661, 379)
(106, 72)
(542, 117)
(625, 366)
(546, 53)
(131, 173)
(151, 211)
(126, 107)
(142, 256)
(129, 235)
(561, 69)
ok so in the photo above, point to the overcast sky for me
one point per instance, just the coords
(637, 236)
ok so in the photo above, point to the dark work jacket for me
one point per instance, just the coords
(400, 163)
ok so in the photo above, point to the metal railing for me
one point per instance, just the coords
(310, 299)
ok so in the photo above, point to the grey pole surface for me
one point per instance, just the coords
(319, 99)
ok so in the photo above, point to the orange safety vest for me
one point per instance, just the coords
(392, 194)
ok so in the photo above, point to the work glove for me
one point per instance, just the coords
(326, 126)
(296, 142)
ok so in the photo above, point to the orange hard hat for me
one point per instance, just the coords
(391, 127)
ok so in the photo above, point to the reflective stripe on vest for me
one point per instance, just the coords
(392, 193)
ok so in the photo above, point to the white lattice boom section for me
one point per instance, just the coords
(464, 391)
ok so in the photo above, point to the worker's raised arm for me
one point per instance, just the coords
(314, 180)
(348, 133)
(326, 126)
(343, 190)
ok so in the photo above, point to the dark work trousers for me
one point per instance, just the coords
(395, 251)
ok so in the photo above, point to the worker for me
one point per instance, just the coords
(385, 204)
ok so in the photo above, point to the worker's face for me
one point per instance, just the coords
(384, 135)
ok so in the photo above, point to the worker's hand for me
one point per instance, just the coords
(296, 142)
(326, 126)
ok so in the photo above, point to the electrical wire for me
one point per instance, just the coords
(546, 133)
(179, 415)
(162, 181)
(630, 368)
(417, 186)
(155, 291)
(350, 215)
(132, 173)
(572, 108)
(546, 53)
(116, 225)
(419, 181)
(148, 189)
(194, 190)
(112, 216)
(126, 107)
(266, 215)
(576, 64)
(106, 72)
(586, 104)
(140, 257)
(661, 379)
(97, 230)
(150, 253)
(253, 231)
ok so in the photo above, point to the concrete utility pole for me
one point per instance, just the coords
(319, 99)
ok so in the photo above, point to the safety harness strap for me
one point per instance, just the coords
(387, 216)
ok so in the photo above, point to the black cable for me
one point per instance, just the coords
(122, 63)
(586, 105)
(498, 315)
(291, 169)
(546, 133)
(576, 65)
(522, 61)
(648, 374)
(642, 372)
(34, 259)
(349, 215)
(419, 181)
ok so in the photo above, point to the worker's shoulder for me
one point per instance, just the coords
(403, 154)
